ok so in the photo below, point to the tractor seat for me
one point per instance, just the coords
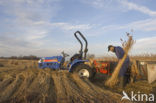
(76, 56)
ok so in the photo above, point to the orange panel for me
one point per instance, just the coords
(51, 60)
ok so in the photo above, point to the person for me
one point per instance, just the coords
(123, 77)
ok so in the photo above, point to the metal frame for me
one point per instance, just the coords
(81, 48)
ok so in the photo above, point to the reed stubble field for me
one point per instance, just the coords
(22, 82)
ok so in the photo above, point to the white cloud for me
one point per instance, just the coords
(68, 26)
(98, 3)
(140, 8)
(121, 5)
(36, 34)
(142, 25)
(22, 33)
(30, 22)
(145, 45)
(64, 25)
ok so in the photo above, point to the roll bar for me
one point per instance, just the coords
(86, 43)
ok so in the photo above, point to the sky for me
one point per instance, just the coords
(46, 27)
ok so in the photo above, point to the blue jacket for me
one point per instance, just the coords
(120, 53)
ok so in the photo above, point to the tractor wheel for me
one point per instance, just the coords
(84, 70)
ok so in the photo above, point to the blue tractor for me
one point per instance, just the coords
(77, 61)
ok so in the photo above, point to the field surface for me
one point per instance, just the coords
(22, 82)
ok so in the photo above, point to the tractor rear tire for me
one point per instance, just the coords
(84, 70)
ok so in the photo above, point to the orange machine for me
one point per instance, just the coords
(104, 67)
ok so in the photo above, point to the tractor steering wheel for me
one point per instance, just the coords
(65, 54)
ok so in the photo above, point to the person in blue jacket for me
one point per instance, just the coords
(123, 78)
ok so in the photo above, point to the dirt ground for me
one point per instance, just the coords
(22, 82)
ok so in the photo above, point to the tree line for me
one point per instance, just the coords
(30, 57)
